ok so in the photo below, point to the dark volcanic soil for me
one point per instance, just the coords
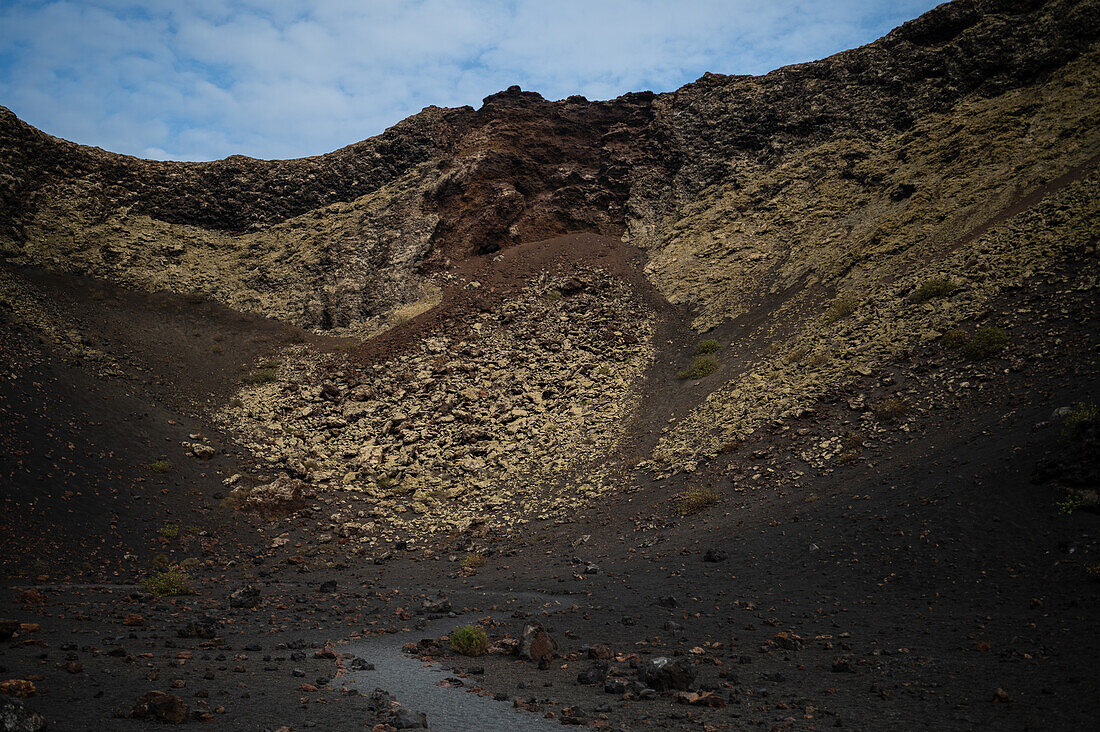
(932, 583)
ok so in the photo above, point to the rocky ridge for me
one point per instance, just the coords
(446, 184)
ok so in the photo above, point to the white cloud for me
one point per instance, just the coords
(280, 78)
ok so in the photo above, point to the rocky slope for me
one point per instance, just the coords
(789, 378)
(810, 203)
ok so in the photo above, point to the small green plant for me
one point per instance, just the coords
(987, 342)
(700, 367)
(1069, 504)
(171, 532)
(710, 345)
(841, 308)
(934, 288)
(469, 640)
(259, 376)
(473, 560)
(1080, 416)
(604, 370)
(168, 583)
(890, 409)
(160, 466)
(160, 561)
(1093, 571)
(694, 500)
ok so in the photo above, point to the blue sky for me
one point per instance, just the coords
(203, 79)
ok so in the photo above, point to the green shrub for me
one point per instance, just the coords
(469, 640)
(710, 345)
(930, 290)
(473, 560)
(694, 500)
(1070, 503)
(169, 583)
(841, 308)
(160, 466)
(700, 367)
(170, 531)
(1080, 416)
(987, 342)
(259, 376)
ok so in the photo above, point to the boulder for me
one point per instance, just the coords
(598, 650)
(201, 451)
(247, 596)
(283, 492)
(436, 606)
(536, 644)
(665, 674)
(788, 641)
(715, 555)
(204, 627)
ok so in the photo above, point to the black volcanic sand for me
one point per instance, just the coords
(937, 575)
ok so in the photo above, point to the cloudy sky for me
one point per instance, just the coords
(202, 79)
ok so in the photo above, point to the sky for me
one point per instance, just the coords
(204, 79)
